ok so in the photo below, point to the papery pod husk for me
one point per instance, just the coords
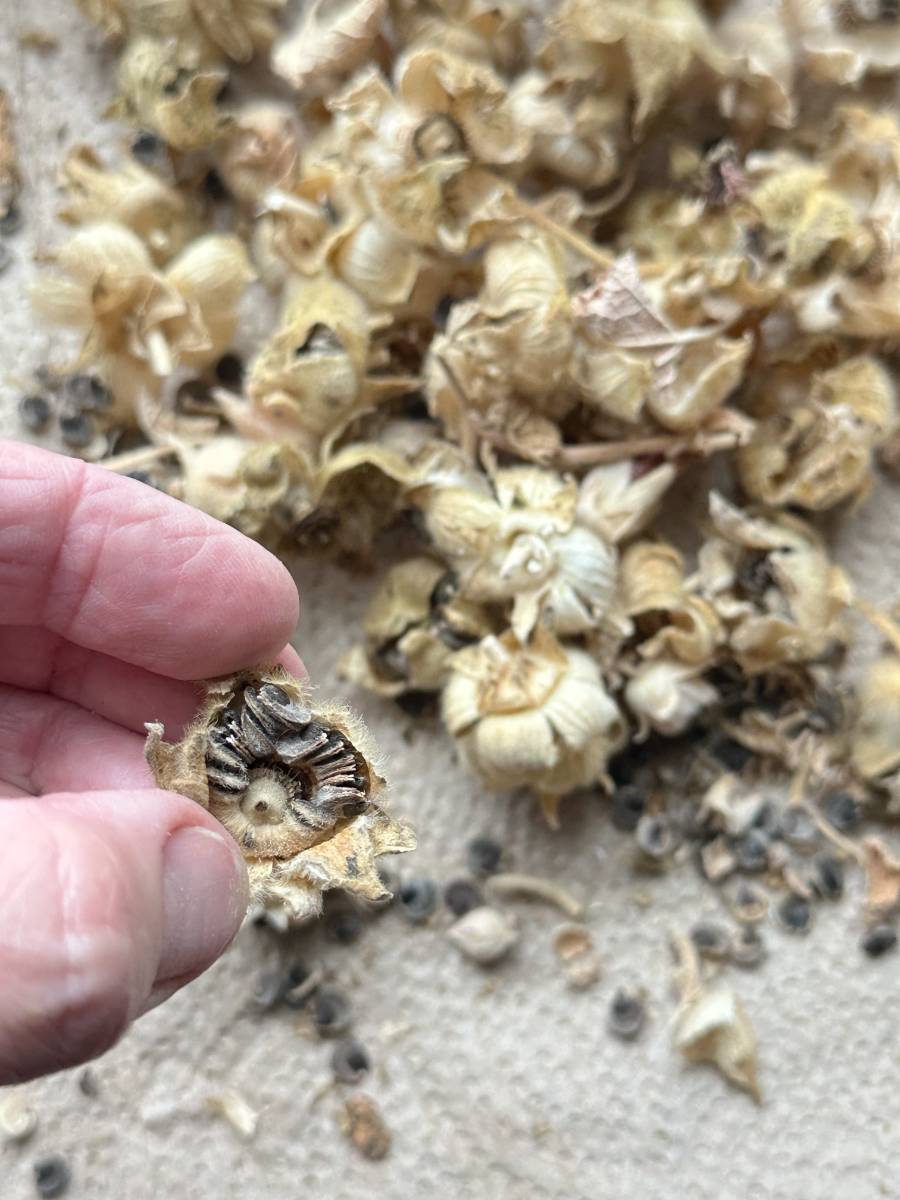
(875, 737)
(131, 196)
(701, 378)
(617, 502)
(667, 696)
(535, 715)
(651, 576)
(241, 28)
(343, 856)
(210, 275)
(327, 41)
(189, 119)
(259, 152)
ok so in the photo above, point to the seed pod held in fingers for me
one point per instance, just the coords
(294, 784)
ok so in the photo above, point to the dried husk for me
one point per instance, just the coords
(260, 151)
(618, 500)
(875, 738)
(132, 196)
(535, 715)
(289, 861)
(667, 697)
(330, 39)
(817, 453)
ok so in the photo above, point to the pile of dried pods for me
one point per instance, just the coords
(531, 271)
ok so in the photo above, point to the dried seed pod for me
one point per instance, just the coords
(667, 697)
(484, 935)
(533, 715)
(293, 783)
(329, 40)
(259, 151)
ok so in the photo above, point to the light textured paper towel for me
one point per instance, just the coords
(512, 1090)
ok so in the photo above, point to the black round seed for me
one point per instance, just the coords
(730, 753)
(654, 836)
(418, 899)
(483, 855)
(52, 1176)
(11, 221)
(269, 990)
(87, 393)
(627, 1014)
(230, 371)
(349, 1061)
(711, 940)
(77, 429)
(829, 878)
(332, 1013)
(87, 1084)
(795, 913)
(295, 986)
(879, 940)
(842, 810)
(750, 903)
(798, 828)
(461, 896)
(344, 926)
(628, 804)
(34, 412)
(752, 851)
(147, 148)
(747, 948)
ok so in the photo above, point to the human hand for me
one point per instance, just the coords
(113, 893)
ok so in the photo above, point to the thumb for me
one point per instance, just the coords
(109, 901)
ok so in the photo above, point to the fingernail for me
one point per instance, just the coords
(204, 900)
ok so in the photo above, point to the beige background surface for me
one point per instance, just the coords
(502, 1085)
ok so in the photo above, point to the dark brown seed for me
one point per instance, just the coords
(332, 1013)
(461, 896)
(752, 851)
(52, 1176)
(230, 371)
(628, 804)
(843, 811)
(349, 1061)
(711, 940)
(829, 878)
(879, 940)
(483, 855)
(76, 429)
(417, 899)
(747, 948)
(627, 1014)
(34, 413)
(795, 914)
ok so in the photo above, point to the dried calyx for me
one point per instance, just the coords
(293, 782)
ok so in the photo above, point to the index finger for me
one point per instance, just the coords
(116, 566)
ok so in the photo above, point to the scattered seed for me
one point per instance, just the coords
(828, 879)
(52, 1176)
(418, 899)
(88, 1083)
(364, 1125)
(18, 1120)
(76, 429)
(349, 1061)
(483, 855)
(628, 804)
(627, 1014)
(299, 985)
(798, 828)
(843, 811)
(230, 371)
(752, 851)
(333, 1012)
(461, 896)
(344, 925)
(88, 393)
(747, 948)
(655, 837)
(148, 149)
(269, 990)
(485, 935)
(534, 888)
(750, 904)
(34, 413)
(879, 940)
(795, 914)
(12, 221)
(712, 940)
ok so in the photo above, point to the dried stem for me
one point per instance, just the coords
(131, 460)
(534, 888)
(575, 241)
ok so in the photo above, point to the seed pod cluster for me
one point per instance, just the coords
(294, 784)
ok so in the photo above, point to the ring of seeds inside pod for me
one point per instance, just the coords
(278, 779)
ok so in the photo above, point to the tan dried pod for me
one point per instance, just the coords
(841, 44)
(818, 452)
(131, 196)
(210, 276)
(378, 264)
(294, 783)
(666, 697)
(875, 738)
(330, 38)
(617, 500)
(535, 715)
(241, 28)
(259, 151)
(172, 90)
(698, 380)
(761, 91)
(675, 623)
(432, 79)
(307, 380)
(414, 624)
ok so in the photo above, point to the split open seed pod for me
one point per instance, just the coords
(295, 784)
